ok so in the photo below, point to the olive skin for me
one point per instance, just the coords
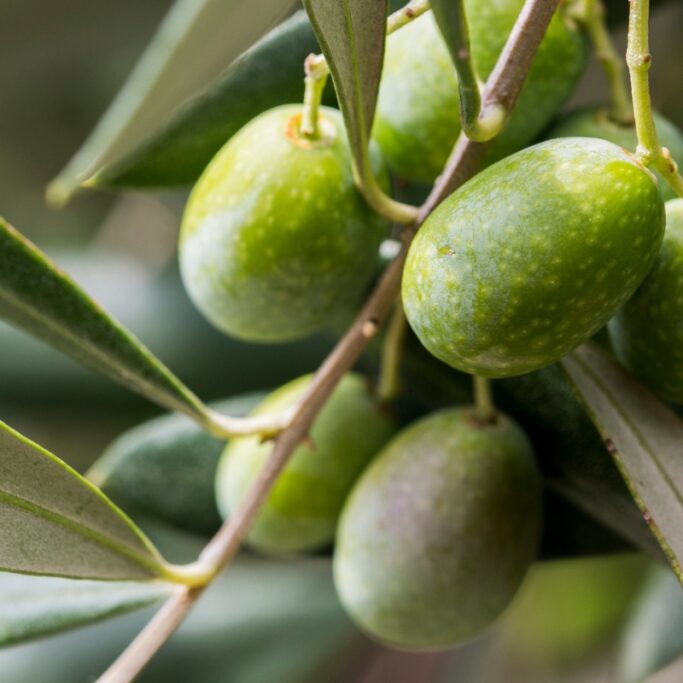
(647, 333)
(594, 122)
(275, 237)
(439, 532)
(532, 256)
(418, 120)
(302, 509)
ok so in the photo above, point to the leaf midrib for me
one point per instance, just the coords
(103, 540)
(637, 433)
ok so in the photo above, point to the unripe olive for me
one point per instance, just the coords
(532, 256)
(276, 237)
(418, 120)
(595, 122)
(647, 333)
(302, 509)
(439, 531)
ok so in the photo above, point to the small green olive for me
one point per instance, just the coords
(302, 509)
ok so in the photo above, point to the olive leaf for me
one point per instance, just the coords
(264, 620)
(35, 606)
(352, 35)
(268, 74)
(644, 436)
(54, 522)
(37, 297)
(653, 637)
(194, 43)
(169, 453)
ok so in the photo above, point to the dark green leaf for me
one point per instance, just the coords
(267, 75)
(576, 465)
(36, 296)
(54, 522)
(645, 437)
(35, 606)
(165, 468)
(352, 34)
(195, 42)
(654, 636)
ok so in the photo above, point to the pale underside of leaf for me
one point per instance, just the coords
(645, 437)
(38, 297)
(194, 43)
(36, 606)
(53, 522)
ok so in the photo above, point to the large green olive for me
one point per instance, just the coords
(532, 256)
(276, 237)
(418, 118)
(647, 333)
(302, 509)
(439, 532)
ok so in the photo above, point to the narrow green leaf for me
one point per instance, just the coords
(653, 638)
(169, 453)
(645, 437)
(36, 606)
(39, 298)
(352, 35)
(268, 74)
(194, 43)
(452, 22)
(54, 522)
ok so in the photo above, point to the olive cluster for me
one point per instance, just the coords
(435, 526)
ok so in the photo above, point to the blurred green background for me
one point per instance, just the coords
(60, 65)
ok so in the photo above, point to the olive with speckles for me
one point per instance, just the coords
(595, 122)
(532, 256)
(418, 119)
(647, 333)
(275, 237)
(301, 511)
(439, 531)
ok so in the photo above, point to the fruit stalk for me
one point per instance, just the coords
(392, 353)
(639, 61)
(485, 408)
(591, 14)
(504, 86)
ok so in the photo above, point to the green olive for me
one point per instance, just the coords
(438, 533)
(276, 237)
(302, 509)
(532, 256)
(647, 333)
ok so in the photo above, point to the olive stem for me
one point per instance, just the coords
(639, 61)
(227, 427)
(314, 84)
(392, 352)
(505, 85)
(591, 15)
(480, 123)
(484, 407)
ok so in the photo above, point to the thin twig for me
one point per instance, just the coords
(503, 87)
(639, 61)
